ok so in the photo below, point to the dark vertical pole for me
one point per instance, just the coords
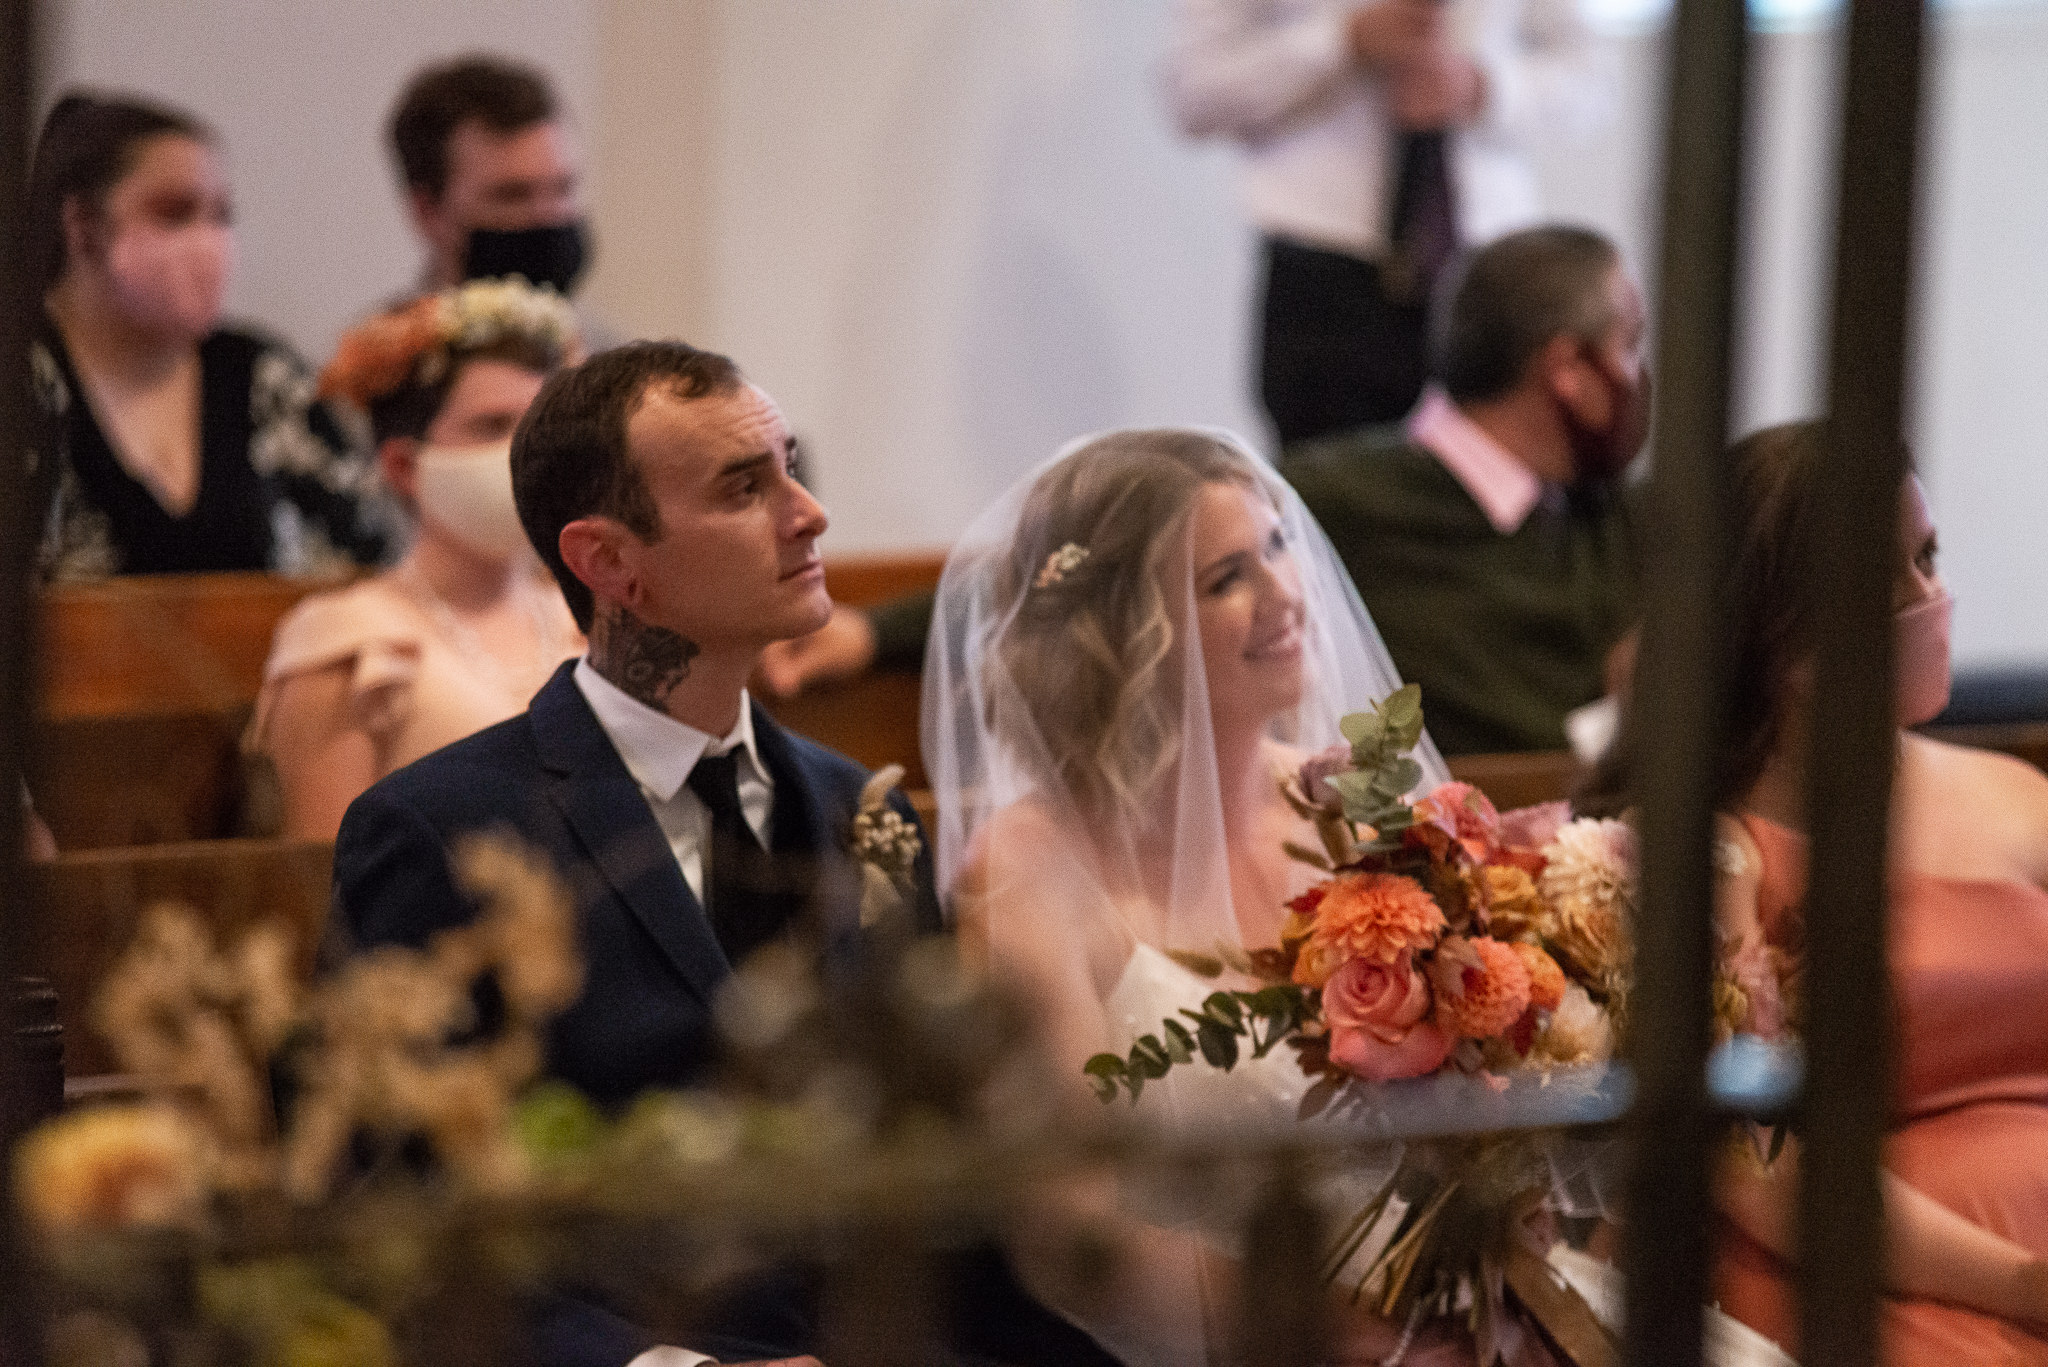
(1680, 689)
(20, 1331)
(1853, 746)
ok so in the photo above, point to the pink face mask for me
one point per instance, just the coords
(1920, 642)
(172, 280)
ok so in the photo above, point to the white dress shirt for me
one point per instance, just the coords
(659, 752)
(1319, 145)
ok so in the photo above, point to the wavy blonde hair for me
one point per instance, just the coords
(1093, 655)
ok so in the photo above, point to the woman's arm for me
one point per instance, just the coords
(1931, 1252)
(324, 758)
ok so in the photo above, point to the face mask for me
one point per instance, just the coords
(1920, 641)
(554, 254)
(467, 492)
(1605, 453)
(171, 280)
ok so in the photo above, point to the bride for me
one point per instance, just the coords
(1128, 650)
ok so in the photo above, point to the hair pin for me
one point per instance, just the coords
(1060, 564)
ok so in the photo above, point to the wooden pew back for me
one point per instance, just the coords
(95, 899)
(874, 718)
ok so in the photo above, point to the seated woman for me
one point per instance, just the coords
(465, 629)
(1967, 1160)
(1128, 650)
(174, 443)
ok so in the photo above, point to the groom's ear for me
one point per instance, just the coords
(595, 550)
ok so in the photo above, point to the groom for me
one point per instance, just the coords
(656, 484)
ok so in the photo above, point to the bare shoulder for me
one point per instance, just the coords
(1978, 805)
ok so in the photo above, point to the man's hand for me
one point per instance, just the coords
(1387, 34)
(1437, 88)
(843, 647)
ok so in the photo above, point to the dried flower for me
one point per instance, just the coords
(1589, 883)
(1482, 986)
(1315, 775)
(1578, 1032)
(114, 1167)
(1366, 916)
(886, 847)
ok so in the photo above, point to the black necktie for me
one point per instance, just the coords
(1425, 222)
(740, 889)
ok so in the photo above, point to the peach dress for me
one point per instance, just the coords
(418, 680)
(1969, 961)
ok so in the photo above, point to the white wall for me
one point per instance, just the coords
(951, 234)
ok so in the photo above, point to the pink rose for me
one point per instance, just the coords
(1376, 1013)
(1465, 814)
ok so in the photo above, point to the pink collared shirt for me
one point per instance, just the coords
(1506, 490)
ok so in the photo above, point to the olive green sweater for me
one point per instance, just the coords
(1506, 634)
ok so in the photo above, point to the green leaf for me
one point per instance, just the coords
(556, 1124)
(1219, 1045)
(1180, 1045)
(1148, 1057)
(1402, 716)
(1224, 1008)
(1404, 774)
(1363, 729)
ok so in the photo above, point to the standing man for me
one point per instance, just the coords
(1379, 139)
(1490, 534)
(491, 174)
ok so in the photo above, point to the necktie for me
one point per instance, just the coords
(1425, 223)
(741, 895)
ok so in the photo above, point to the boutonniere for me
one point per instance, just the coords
(886, 847)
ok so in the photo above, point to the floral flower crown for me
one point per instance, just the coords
(414, 344)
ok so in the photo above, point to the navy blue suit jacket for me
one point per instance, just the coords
(652, 965)
(652, 969)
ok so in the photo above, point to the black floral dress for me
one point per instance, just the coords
(281, 485)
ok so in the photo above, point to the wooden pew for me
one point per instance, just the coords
(146, 685)
(875, 718)
(93, 901)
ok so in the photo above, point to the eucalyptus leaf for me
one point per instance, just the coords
(1219, 1045)
(1363, 728)
(1180, 1045)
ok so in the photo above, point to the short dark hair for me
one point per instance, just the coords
(569, 456)
(503, 95)
(88, 143)
(1513, 296)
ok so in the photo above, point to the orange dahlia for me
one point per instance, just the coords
(1482, 986)
(1366, 916)
(1546, 979)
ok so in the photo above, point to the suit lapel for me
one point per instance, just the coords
(605, 808)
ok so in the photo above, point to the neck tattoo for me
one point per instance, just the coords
(645, 662)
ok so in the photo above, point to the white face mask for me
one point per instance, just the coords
(466, 491)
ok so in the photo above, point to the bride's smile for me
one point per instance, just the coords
(1248, 604)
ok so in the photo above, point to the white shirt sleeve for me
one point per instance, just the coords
(666, 1356)
(1550, 73)
(1240, 68)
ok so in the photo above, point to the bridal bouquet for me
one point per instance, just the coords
(1443, 937)
(1446, 936)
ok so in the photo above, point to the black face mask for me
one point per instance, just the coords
(554, 254)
